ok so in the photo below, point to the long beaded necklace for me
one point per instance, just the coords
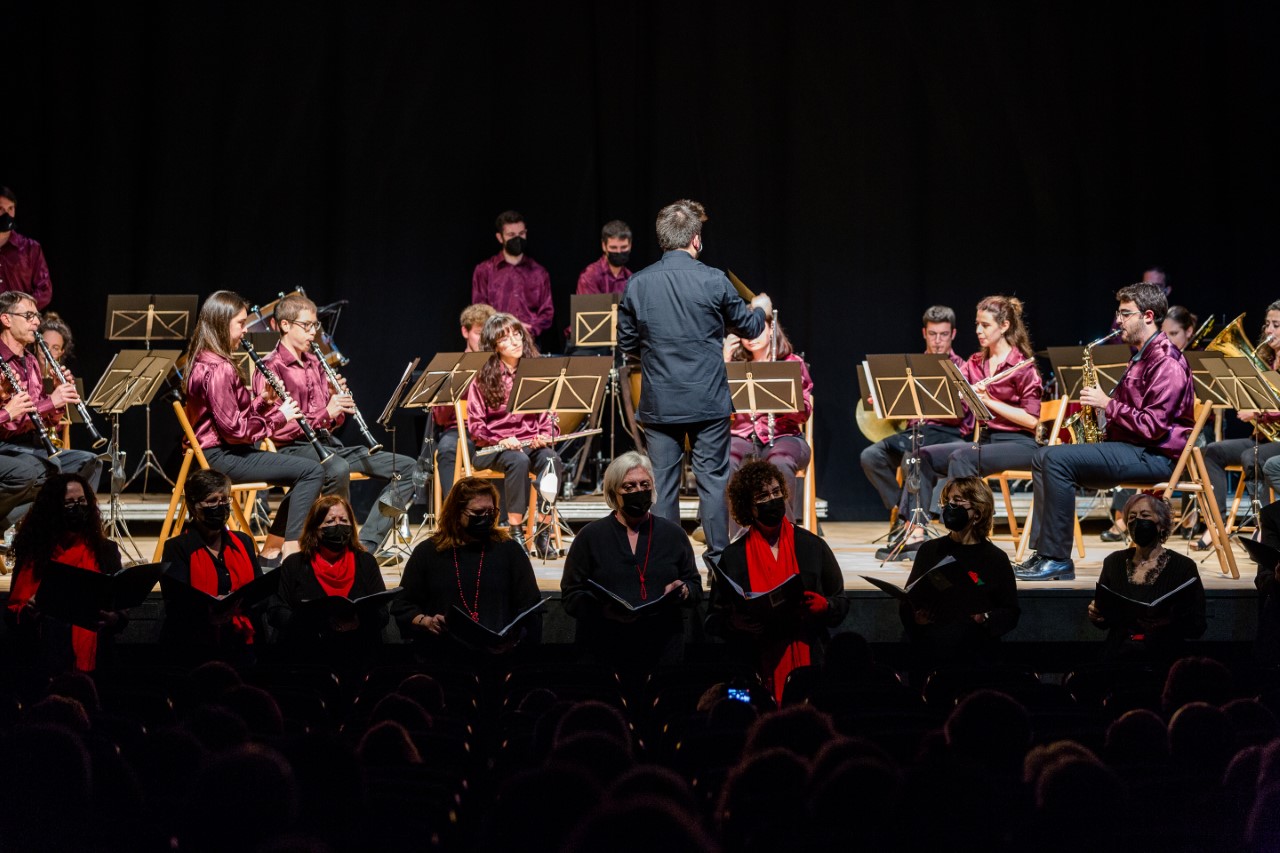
(641, 570)
(473, 609)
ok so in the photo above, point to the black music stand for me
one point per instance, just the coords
(595, 324)
(1246, 388)
(912, 387)
(400, 530)
(150, 317)
(572, 385)
(133, 378)
(1207, 388)
(1110, 361)
(765, 387)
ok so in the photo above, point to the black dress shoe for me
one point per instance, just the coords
(1112, 536)
(542, 546)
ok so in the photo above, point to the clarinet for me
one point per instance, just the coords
(85, 414)
(283, 393)
(374, 444)
(42, 431)
(773, 356)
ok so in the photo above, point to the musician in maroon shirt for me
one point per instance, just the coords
(24, 462)
(511, 281)
(22, 265)
(609, 273)
(1149, 417)
(445, 417)
(306, 381)
(229, 420)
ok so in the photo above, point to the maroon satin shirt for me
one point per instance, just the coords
(598, 278)
(488, 426)
(1023, 389)
(22, 267)
(220, 407)
(307, 383)
(1153, 405)
(523, 290)
(27, 366)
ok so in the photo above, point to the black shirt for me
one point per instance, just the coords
(1188, 608)
(183, 624)
(298, 584)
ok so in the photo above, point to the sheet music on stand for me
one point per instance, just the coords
(133, 378)
(390, 408)
(765, 387)
(445, 380)
(150, 316)
(1109, 360)
(911, 386)
(964, 391)
(1207, 386)
(1243, 385)
(595, 319)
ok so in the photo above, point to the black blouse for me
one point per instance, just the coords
(298, 584)
(182, 624)
(1188, 609)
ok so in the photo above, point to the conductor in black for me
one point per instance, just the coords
(674, 315)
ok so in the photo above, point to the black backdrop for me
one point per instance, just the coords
(860, 161)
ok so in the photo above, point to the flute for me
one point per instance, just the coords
(85, 414)
(773, 356)
(42, 431)
(283, 393)
(374, 444)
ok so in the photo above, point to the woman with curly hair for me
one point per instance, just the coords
(772, 550)
(472, 563)
(64, 524)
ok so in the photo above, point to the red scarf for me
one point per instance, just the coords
(204, 577)
(335, 572)
(765, 571)
(26, 582)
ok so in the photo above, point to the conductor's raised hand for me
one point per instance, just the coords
(763, 302)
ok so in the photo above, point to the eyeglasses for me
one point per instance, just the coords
(29, 316)
(478, 513)
(774, 494)
(1126, 313)
(76, 502)
(213, 502)
(642, 486)
(307, 326)
(957, 504)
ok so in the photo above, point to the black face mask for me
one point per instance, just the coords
(771, 512)
(515, 246)
(335, 536)
(636, 504)
(1144, 532)
(619, 259)
(478, 526)
(956, 518)
(6, 222)
(214, 517)
(76, 515)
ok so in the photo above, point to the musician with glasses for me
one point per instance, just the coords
(24, 461)
(1010, 390)
(1149, 417)
(1252, 454)
(445, 418)
(525, 440)
(305, 379)
(881, 461)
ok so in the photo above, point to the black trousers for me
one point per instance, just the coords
(709, 441)
(880, 461)
(246, 464)
(515, 466)
(998, 451)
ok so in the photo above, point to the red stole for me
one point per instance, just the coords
(204, 577)
(26, 582)
(335, 572)
(780, 655)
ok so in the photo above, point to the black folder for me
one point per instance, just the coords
(246, 597)
(947, 590)
(785, 598)
(465, 629)
(341, 607)
(1116, 604)
(621, 607)
(77, 595)
(1261, 553)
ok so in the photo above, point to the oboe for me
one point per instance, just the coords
(283, 393)
(42, 431)
(374, 444)
(85, 414)
(773, 356)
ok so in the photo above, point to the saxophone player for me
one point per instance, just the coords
(1149, 418)
(305, 380)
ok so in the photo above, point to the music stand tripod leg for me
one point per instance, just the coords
(117, 528)
(149, 462)
(918, 518)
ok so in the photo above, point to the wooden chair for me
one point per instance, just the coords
(1053, 413)
(1191, 477)
(808, 487)
(242, 494)
(1233, 513)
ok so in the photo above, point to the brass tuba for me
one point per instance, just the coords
(1233, 342)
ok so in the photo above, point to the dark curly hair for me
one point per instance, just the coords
(452, 529)
(44, 527)
(747, 482)
(489, 379)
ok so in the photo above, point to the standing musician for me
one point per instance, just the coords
(880, 461)
(229, 421)
(489, 423)
(780, 442)
(1241, 451)
(1008, 439)
(24, 459)
(307, 383)
(1149, 418)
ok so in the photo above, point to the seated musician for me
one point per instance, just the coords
(24, 460)
(445, 418)
(229, 421)
(526, 440)
(1250, 454)
(307, 383)
(215, 560)
(1149, 417)
(57, 334)
(881, 461)
(782, 442)
(1008, 439)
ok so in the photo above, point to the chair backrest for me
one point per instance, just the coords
(1054, 412)
(190, 433)
(1202, 413)
(462, 464)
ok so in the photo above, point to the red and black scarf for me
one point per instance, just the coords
(783, 654)
(204, 577)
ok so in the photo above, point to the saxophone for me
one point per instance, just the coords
(1090, 431)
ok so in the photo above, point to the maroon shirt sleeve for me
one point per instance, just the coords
(221, 409)
(1154, 402)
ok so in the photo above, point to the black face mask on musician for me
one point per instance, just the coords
(76, 515)
(636, 504)
(771, 512)
(213, 517)
(478, 526)
(335, 536)
(619, 259)
(6, 222)
(955, 518)
(515, 246)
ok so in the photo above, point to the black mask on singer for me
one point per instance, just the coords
(6, 222)
(771, 512)
(335, 536)
(515, 246)
(955, 518)
(619, 259)
(214, 517)
(636, 504)
(478, 526)
(1144, 532)
(76, 515)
